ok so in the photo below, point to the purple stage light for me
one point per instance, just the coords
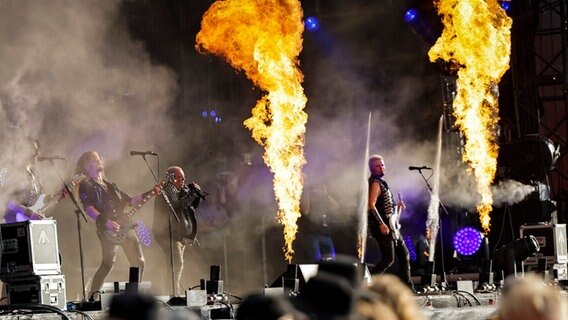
(411, 250)
(312, 24)
(467, 241)
(143, 234)
(410, 15)
(506, 5)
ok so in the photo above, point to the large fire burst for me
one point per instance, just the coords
(476, 40)
(264, 38)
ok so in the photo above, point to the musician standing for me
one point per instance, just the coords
(380, 209)
(101, 200)
(22, 185)
(183, 231)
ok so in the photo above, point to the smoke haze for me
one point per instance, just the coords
(75, 77)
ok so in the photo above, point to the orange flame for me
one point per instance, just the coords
(359, 246)
(477, 40)
(264, 38)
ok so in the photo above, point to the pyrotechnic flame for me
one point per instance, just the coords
(264, 38)
(476, 40)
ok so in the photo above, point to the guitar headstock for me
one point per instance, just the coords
(169, 177)
(77, 178)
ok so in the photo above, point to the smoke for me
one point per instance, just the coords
(459, 190)
(73, 78)
(510, 192)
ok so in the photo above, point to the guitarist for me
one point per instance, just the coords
(22, 185)
(102, 199)
(380, 209)
(184, 231)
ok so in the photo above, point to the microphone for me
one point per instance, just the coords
(50, 158)
(143, 153)
(191, 188)
(419, 168)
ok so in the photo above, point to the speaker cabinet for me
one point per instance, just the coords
(29, 248)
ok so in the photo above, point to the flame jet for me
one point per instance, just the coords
(477, 42)
(264, 38)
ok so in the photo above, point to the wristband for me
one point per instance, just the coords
(376, 215)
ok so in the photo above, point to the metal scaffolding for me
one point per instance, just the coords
(539, 80)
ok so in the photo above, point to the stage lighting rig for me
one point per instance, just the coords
(509, 256)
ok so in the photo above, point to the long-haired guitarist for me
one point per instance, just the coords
(381, 208)
(104, 202)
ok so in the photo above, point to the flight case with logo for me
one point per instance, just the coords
(29, 248)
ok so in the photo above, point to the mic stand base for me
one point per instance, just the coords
(429, 280)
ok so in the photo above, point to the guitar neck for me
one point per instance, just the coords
(139, 206)
(144, 200)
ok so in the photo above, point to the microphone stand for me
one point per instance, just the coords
(172, 213)
(79, 212)
(430, 190)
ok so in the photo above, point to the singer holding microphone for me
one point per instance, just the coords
(381, 208)
(103, 200)
(171, 234)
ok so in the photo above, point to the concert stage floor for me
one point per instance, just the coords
(446, 306)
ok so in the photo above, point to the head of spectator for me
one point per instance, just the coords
(393, 292)
(264, 307)
(370, 306)
(327, 296)
(346, 267)
(133, 306)
(530, 298)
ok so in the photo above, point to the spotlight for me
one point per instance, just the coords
(467, 241)
(506, 5)
(312, 24)
(507, 257)
(423, 24)
(533, 157)
(410, 15)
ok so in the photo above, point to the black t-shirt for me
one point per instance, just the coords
(107, 198)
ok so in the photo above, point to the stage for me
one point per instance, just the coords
(443, 306)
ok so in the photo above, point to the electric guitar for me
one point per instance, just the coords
(125, 221)
(44, 201)
(394, 220)
(188, 222)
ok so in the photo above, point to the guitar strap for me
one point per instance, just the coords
(116, 193)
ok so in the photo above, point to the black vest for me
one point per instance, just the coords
(384, 203)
